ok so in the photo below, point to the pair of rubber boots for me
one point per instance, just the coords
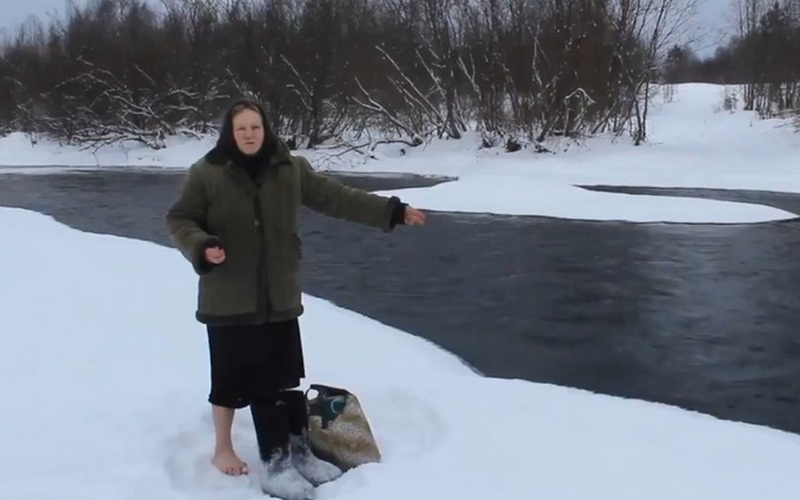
(289, 470)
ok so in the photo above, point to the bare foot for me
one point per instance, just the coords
(228, 463)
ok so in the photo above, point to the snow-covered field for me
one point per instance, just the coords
(693, 143)
(104, 375)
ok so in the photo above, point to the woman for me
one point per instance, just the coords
(236, 222)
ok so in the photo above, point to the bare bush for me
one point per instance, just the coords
(356, 72)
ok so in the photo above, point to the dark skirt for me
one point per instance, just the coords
(252, 362)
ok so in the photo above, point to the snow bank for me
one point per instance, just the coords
(105, 376)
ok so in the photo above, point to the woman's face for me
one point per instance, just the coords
(248, 131)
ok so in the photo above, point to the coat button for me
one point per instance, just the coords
(256, 223)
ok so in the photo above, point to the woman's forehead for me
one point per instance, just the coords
(247, 117)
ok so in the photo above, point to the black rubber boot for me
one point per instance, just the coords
(316, 471)
(277, 476)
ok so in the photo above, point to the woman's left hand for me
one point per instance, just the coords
(414, 217)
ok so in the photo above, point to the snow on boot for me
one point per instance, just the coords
(312, 468)
(279, 478)
(277, 475)
(317, 471)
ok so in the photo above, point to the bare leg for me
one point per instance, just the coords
(225, 458)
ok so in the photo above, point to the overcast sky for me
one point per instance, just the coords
(713, 15)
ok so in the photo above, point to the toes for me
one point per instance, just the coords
(232, 468)
(236, 471)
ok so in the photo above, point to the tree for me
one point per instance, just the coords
(679, 65)
(355, 72)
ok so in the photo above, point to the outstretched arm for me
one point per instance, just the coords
(330, 197)
(186, 223)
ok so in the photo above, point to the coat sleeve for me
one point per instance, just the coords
(186, 221)
(330, 197)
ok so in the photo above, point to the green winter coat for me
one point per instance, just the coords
(257, 227)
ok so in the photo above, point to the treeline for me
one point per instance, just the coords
(340, 70)
(763, 57)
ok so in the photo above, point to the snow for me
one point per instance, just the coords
(104, 374)
(508, 194)
(17, 150)
(693, 143)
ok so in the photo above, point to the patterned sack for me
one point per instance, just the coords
(338, 430)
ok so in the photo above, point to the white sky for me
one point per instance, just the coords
(16, 12)
(712, 15)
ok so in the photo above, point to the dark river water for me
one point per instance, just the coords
(700, 316)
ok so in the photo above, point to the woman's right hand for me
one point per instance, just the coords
(215, 255)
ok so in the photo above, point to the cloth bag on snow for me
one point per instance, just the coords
(338, 429)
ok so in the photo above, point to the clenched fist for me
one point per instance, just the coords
(215, 255)
(414, 217)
